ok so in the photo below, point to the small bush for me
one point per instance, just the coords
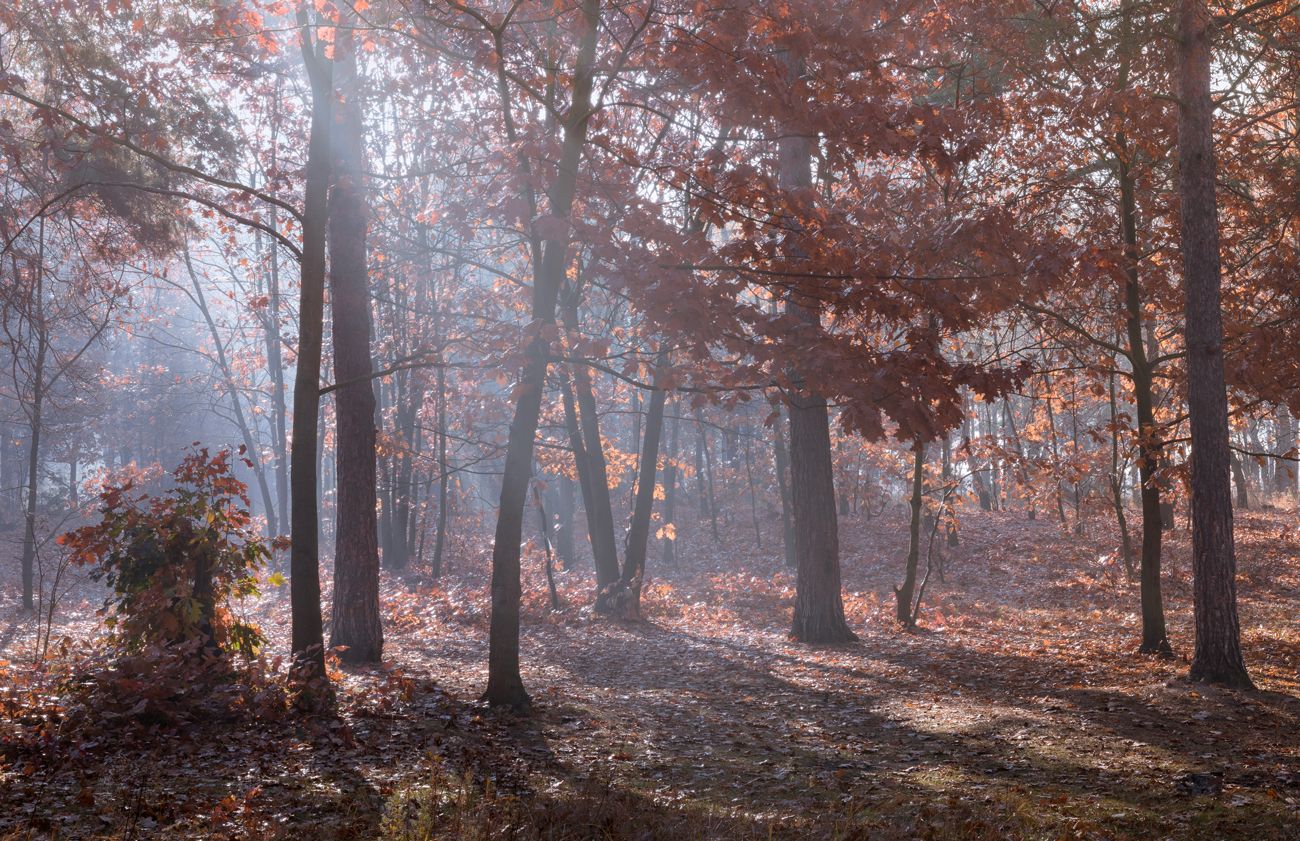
(175, 561)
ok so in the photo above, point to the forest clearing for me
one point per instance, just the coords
(649, 419)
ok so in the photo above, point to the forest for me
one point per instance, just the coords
(649, 419)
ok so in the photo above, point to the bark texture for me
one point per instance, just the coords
(355, 627)
(1155, 636)
(904, 594)
(505, 686)
(819, 604)
(304, 561)
(638, 533)
(1217, 657)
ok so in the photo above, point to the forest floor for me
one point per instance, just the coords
(1019, 710)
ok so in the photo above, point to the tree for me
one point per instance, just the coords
(638, 533)
(355, 625)
(819, 603)
(904, 594)
(505, 686)
(1217, 657)
(308, 642)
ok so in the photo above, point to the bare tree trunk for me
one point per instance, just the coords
(544, 526)
(275, 364)
(708, 473)
(304, 561)
(444, 475)
(819, 604)
(1117, 484)
(701, 497)
(1284, 481)
(670, 491)
(1239, 479)
(753, 499)
(355, 628)
(638, 533)
(1218, 657)
(597, 499)
(252, 452)
(505, 686)
(34, 427)
(977, 470)
(904, 594)
(562, 496)
(953, 539)
(782, 458)
(274, 354)
(1155, 637)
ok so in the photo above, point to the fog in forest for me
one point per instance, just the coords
(649, 419)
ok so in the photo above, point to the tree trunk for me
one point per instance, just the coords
(304, 562)
(232, 389)
(275, 364)
(782, 458)
(708, 473)
(1283, 443)
(444, 476)
(978, 479)
(274, 355)
(1239, 479)
(753, 498)
(1218, 657)
(1117, 484)
(638, 533)
(505, 686)
(544, 529)
(904, 594)
(34, 426)
(564, 513)
(670, 491)
(355, 628)
(953, 539)
(819, 604)
(596, 496)
(1155, 637)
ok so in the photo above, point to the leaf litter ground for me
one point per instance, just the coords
(1019, 710)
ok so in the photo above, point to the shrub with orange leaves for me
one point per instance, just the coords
(176, 559)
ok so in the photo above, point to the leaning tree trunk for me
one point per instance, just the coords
(1218, 657)
(355, 628)
(596, 505)
(251, 451)
(819, 604)
(274, 357)
(596, 496)
(638, 533)
(505, 686)
(308, 646)
(280, 412)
